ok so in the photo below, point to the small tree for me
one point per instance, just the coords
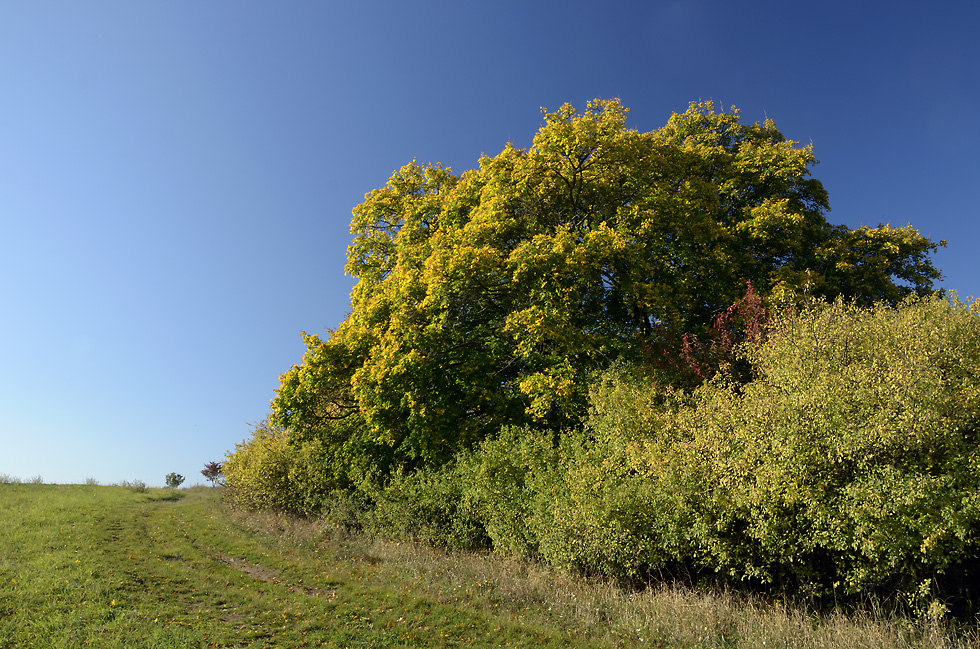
(212, 471)
(693, 360)
(174, 480)
(490, 298)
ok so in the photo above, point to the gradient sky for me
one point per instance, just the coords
(176, 178)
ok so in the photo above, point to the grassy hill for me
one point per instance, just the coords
(101, 566)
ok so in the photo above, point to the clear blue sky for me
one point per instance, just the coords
(176, 178)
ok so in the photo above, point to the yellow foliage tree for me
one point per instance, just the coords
(490, 297)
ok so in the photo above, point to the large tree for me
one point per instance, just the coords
(490, 297)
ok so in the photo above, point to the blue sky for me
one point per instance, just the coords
(176, 178)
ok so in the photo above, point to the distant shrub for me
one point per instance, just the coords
(136, 485)
(91, 481)
(35, 480)
(174, 480)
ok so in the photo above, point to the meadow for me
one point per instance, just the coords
(118, 566)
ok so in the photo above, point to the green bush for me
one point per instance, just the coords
(577, 503)
(505, 481)
(272, 471)
(599, 515)
(849, 463)
(425, 505)
(852, 460)
(842, 458)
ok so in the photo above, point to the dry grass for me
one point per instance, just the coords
(601, 612)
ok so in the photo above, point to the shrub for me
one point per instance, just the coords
(504, 480)
(580, 501)
(270, 471)
(850, 461)
(690, 360)
(605, 514)
(174, 480)
(428, 506)
(136, 485)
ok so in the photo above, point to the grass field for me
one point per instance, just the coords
(99, 566)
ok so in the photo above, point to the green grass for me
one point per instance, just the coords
(111, 567)
(100, 566)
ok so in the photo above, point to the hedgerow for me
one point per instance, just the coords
(841, 457)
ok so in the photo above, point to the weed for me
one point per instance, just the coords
(136, 485)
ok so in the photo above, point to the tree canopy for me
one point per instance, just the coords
(491, 297)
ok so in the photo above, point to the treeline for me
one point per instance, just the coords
(636, 353)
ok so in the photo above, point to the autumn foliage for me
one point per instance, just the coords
(629, 352)
(691, 359)
(212, 472)
(491, 298)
